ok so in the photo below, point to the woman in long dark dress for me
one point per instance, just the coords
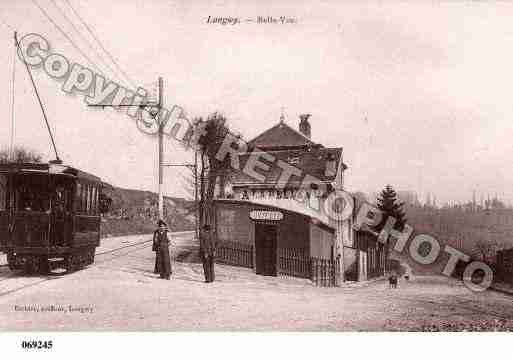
(161, 242)
(155, 249)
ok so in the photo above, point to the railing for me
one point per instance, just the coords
(294, 262)
(325, 271)
(235, 253)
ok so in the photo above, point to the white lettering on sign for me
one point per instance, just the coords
(266, 215)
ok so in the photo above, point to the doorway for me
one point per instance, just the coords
(61, 201)
(266, 245)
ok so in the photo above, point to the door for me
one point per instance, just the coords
(4, 211)
(266, 249)
(61, 211)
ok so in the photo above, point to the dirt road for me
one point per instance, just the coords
(120, 292)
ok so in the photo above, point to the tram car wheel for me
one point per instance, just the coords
(70, 263)
(29, 265)
(44, 266)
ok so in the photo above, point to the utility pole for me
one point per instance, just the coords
(196, 202)
(161, 154)
(160, 135)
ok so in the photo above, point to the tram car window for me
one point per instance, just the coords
(48, 217)
(78, 198)
(4, 210)
(3, 192)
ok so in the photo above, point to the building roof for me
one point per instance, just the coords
(46, 168)
(311, 161)
(280, 136)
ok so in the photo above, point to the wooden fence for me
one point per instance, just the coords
(293, 262)
(235, 254)
(296, 263)
(325, 271)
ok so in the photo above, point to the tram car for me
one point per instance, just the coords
(49, 216)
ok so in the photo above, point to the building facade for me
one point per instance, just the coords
(274, 216)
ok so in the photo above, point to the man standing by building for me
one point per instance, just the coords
(208, 252)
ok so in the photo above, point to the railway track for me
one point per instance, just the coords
(100, 258)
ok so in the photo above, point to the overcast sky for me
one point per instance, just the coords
(419, 96)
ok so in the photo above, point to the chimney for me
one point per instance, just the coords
(304, 125)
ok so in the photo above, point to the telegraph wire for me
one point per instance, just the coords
(91, 32)
(49, 18)
(129, 80)
(82, 36)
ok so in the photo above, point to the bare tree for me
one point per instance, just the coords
(20, 155)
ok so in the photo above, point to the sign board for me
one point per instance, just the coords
(260, 215)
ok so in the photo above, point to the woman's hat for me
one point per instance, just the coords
(161, 223)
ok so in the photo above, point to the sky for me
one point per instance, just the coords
(417, 94)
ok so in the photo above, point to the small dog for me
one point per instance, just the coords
(392, 281)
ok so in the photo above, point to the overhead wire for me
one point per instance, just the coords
(63, 14)
(49, 18)
(93, 35)
(59, 28)
(91, 32)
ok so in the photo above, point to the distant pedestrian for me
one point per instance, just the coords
(161, 247)
(208, 252)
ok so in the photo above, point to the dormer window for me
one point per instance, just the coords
(331, 169)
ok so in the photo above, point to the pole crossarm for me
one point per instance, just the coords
(192, 165)
(124, 105)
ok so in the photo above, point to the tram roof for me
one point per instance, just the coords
(49, 168)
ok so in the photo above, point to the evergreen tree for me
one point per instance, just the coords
(387, 202)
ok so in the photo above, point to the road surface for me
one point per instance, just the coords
(120, 292)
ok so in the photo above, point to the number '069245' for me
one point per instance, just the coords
(37, 344)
